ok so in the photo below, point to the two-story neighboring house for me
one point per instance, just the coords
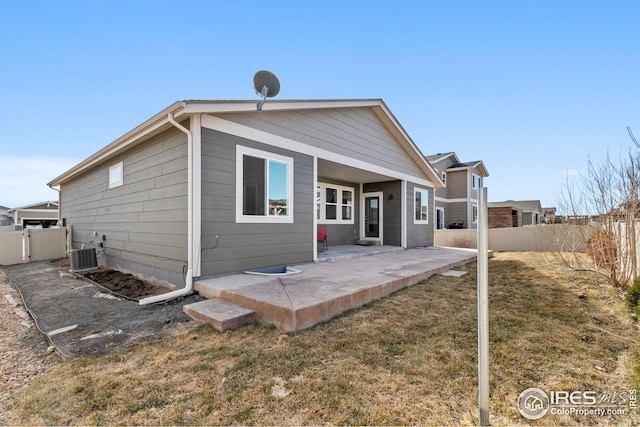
(457, 203)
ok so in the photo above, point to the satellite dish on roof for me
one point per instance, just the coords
(266, 85)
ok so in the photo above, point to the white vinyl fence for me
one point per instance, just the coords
(18, 247)
(549, 237)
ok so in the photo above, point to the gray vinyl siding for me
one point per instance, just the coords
(391, 210)
(144, 221)
(241, 246)
(457, 184)
(474, 191)
(442, 166)
(354, 132)
(456, 212)
(419, 234)
(443, 205)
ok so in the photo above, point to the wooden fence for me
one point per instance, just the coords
(19, 247)
(564, 237)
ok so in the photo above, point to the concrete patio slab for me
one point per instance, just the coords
(323, 290)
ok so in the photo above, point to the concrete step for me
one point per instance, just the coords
(222, 315)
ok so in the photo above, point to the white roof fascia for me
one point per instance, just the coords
(461, 168)
(445, 156)
(124, 141)
(411, 148)
(198, 107)
(469, 167)
(37, 204)
(212, 107)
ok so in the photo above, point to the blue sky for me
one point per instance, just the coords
(532, 88)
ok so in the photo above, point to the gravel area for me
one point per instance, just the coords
(23, 349)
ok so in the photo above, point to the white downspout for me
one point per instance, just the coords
(189, 279)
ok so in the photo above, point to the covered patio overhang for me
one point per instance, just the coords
(342, 172)
(358, 206)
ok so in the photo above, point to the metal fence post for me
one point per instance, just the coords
(483, 307)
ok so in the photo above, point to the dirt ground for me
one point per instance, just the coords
(125, 284)
(102, 324)
(82, 318)
(23, 349)
(122, 284)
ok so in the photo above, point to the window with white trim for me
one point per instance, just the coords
(474, 214)
(421, 206)
(444, 177)
(116, 175)
(477, 181)
(334, 204)
(264, 186)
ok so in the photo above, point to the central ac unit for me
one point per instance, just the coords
(83, 259)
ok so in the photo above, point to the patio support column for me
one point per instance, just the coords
(403, 213)
(315, 215)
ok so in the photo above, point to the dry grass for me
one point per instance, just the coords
(407, 359)
(462, 242)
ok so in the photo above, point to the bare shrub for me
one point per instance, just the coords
(608, 195)
(602, 249)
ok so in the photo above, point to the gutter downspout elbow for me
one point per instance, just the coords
(188, 289)
(173, 294)
(59, 202)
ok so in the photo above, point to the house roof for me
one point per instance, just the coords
(457, 164)
(435, 158)
(525, 205)
(40, 205)
(181, 110)
(476, 164)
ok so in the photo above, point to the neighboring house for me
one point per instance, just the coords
(211, 187)
(457, 203)
(38, 215)
(531, 211)
(549, 215)
(6, 220)
(504, 216)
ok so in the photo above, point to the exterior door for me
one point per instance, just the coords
(440, 218)
(371, 228)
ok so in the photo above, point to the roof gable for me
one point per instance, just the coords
(453, 163)
(181, 110)
(40, 205)
(477, 164)
(437, 158)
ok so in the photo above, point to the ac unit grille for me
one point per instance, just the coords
(83, 259)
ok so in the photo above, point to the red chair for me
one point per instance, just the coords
(322, 238)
